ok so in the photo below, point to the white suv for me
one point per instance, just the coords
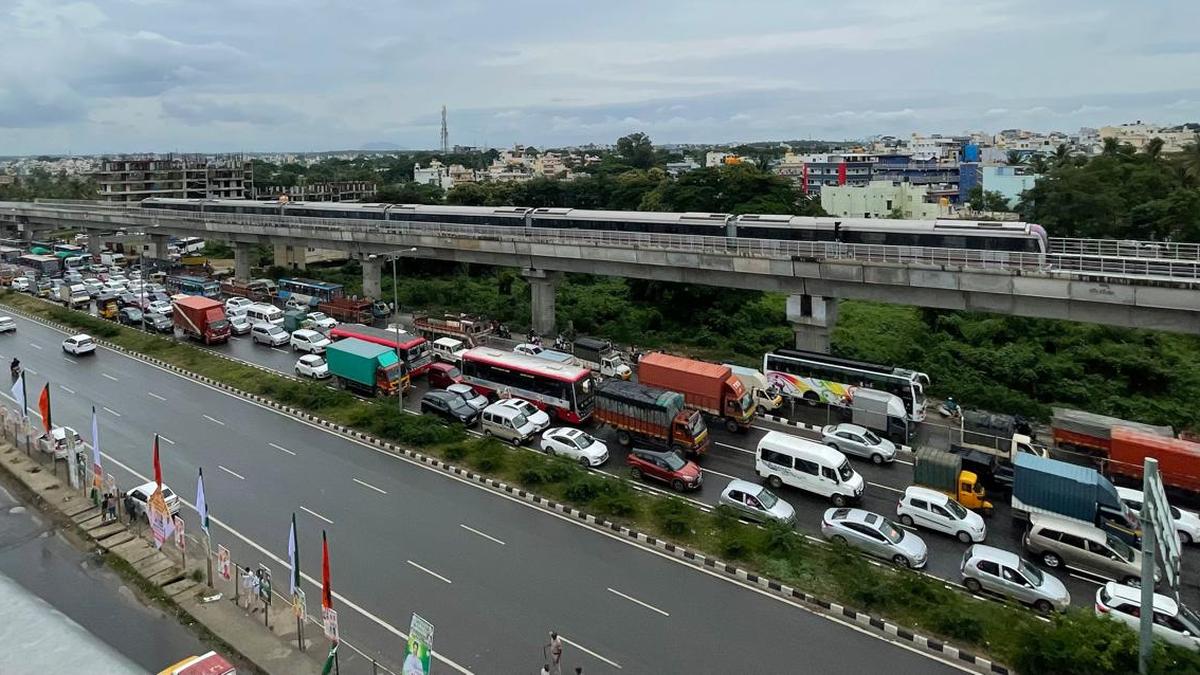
(310, 341)
(1173, 622)
(536, 417)
(269, 334)
(934, 510)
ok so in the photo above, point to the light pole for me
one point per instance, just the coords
(394, 256)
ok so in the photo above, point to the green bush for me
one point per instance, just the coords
(532, 470)
(617, 499)
(780, 540)
(456, 451)
(955, 619)
(737, 543)
(488, 455)
(583, 487)
(674, 516)
(725, 518)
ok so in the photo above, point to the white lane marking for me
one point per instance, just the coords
(154, 395)
(110, 377)
(368, 485)
(35, 346)
(733, 447)
(885, 487)
(31, 371)
(213, 420)
(429, 571)
(164, 438)
(1091, 580)
(281, 351)
(719, 474)
(70, 360)
(485, 535)
(314, 513)
(232, 473)
(282, 449)
(585, 650)
(901, 461)
(635, 600)
(114, 412)
(66, 389)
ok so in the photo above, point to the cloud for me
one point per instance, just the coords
(199, 110)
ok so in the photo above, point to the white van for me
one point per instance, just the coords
(261, 313)
(506, 422)
(807, 465)
(449, 350)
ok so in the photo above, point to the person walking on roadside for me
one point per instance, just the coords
(555, 647)
(112, 508)
(104, 507)
(129, 510)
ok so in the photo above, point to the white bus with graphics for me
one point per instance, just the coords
(820, 378)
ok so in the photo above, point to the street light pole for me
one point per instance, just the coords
(394, 257)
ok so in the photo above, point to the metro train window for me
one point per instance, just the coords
(953, 242)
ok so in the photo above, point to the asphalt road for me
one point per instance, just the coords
(493, 574)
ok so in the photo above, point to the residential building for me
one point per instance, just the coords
(334, 191)
(1009, 181)
(550, 165)
(715, 158)
(457, 173)
(682, 167)
(435, 174)
(882, 199)
(939, 175)
(134, 178)
(830, 169)
(1139, 134)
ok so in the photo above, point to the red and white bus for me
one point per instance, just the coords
(414, 349)
(562, 390)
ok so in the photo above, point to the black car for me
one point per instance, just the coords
(449, 407)
(159, 323)
(130, 316)
(129, 300)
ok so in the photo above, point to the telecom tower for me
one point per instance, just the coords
(445, 133)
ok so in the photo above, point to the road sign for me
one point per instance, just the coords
(298, 603)
(1156, 513)
(223, 564)
(160, 517)
(330, 621)
(418, 651)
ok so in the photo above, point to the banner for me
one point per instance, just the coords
(223, 563)
(160, 517)
(418, 651)
(330, 621)
(180, 539)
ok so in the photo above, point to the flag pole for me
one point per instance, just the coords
(25, 413)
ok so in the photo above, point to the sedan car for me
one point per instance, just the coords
(575, 444)
(1173, 623)
(238, 324)
(665, 466)
(923, 507)
(158, 322)
(130, 316)
(449, 407)
(1187, 524)
(468, 395)
(141, 497)
(322, 321)
(312, 365)
(7, 325)
(756, 502)
(79, 345)
(160, 307)
(986, 568)
(851, 439)
(539, 419)
(875, 535)
(237, 302)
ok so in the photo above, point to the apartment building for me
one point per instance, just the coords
(134, 178)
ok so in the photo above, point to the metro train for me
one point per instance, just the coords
(999, 236)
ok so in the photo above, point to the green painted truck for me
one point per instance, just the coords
(364, 367)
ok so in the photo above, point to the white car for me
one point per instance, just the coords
(1187, 524)
(238, 323)
(575, 444)
(539, 419)
(237, 302)
(269, 334)
(310, 341)
(142, 493)
(312, 365)
(934, 510)
(851, 439)
(79, 345)
(22, 284)
(322, 321)
(528, 349)
(1173, 622)
(7, 325)
(160, 307)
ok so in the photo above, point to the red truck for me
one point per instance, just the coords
(711, 388)
(258, 290)
(470, 330)
(1178, 460)
(650, 416)
(414, 349)
(1089, 432)
(348, 310)
(201, 318)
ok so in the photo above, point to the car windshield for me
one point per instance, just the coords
(85, 342)
(767, 499)
(519, 421)
(956, 509)
(872, 439)
(696, 425)
(317, 362)
(845, 471)
(746, 402)
(583, 440)
(456, 403)
(1120, 548)
(1032, 573)
(453, 372)
(890, 531)
(674, 461)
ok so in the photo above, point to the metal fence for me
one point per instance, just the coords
(1126, 248)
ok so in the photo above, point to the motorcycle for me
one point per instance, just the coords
(15, 369)
(950, 408)
(503, 333)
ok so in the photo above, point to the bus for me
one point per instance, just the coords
(189, 285)
(189, 245)
(821, 378)
(562, 390)
(309, 291)
(414, 349)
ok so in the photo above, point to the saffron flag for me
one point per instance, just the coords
(326, 588)
(44, 407)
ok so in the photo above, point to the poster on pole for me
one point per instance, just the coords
(180, 540)
(418, 651)
(329, 620)
(223, 563)
(298, 607)
(160, 517)
(264, 584)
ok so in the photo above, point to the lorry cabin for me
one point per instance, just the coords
(942, 471)
(471, 331)
(201, 318)
(880, 412)
(1178, 459)
(1080, 493)
(365, 367)
(710, 387)
(1079, 430)
(650, 416)
(764, 394)
(600, 356)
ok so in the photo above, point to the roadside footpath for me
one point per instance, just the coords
(222, 617)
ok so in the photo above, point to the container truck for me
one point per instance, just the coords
(882, 412)
(943, 471)
(650, 416)
(365, 367)
(765, 395)
(471, 330)
(74, 295)
(708, 387)
(258, 290)
(414, 349)
(201, 318)
(601, 357)
(1089, 432)
(1178, 459)
(1079, 493)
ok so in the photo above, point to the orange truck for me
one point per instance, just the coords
(711, 388)
(1178, 459)
(650, 416)
(201, 318)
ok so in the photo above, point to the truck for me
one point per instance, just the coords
(1178, 459)
(1081, 431)
(111, 259)
(882, 412)
(74, 295)
(201, 318)
(413, 349)
(943, 471)
(365, 367)
(294, 320)
(472, 331)
(258, 290)
(650, 416)
(348, 310)
(1070, 491)
(708, 387)
(766, 395)
(601, 357)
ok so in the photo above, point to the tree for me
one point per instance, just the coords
(409, 193)
(1014, 158)
(1153, 148)
(1111, 146)
(1062, 154)
(467, 194)
(987, 201)
(637, 150)
(1189, 161)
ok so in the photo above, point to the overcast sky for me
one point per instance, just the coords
(264, 75)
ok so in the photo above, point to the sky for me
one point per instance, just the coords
(300, 75)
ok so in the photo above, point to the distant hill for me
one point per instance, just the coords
(380, 145)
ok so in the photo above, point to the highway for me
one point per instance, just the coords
(493, 574)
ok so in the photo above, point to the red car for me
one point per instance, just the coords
(665, 466)
(442, 375)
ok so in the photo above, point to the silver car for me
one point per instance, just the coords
(756, 502)
(469, 396)
(851, 439)
(987, 568)
(874, 534)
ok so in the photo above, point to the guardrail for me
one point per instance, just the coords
(1126, 248)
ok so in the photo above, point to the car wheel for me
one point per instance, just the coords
(900, 560)
(677, 485)
(635, 473)
(487, 432)
(547, 449)
(972, 585)
(1185, 538)
(964, 537)
(1051, 560)
(775, 482)
(732, 427)
(877, 458)
(1043, 606)
(583, 461)
(906, 519)
(838, 539)
(297, 372)
(838, 500)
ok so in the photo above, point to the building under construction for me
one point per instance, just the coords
(132, 178)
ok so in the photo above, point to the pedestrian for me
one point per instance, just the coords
(104, 507)
(129, 510)
(112, 508)
(555, 653)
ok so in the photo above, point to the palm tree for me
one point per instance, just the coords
(1111, 147)
(1061, 154)
(1014, 158)
(1153, 148)
(1189, 160)
(1038, 164)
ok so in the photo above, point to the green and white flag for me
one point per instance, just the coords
(328, 667)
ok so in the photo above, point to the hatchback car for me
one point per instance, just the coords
(130, 316)
(851, 439)
(310, 341)
(1173, 623)
(575, 444)
(874, 534)
(756, 502)
(238, 324)
(1187, 524)
(665, 466)
(158, 322)
(141, 497)
(469, 396)
(7, 324)
(442, 375)
(79, 345)
(269, 334)
(934, 510)
(986, 568)
(312, 365)
(449, 407)
(539, 419)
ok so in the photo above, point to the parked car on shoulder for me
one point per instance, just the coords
(310, 341)
(79, 345)
(442, 375)
(7, 324)
(448, 406)
(756, 502)
(851, 439)
(141, 498)
(665, 466)
(987, 568)
(576, 445)
(1173, 623)
(875, 535)
(312, 365)
(270, 334)
(933, 510)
